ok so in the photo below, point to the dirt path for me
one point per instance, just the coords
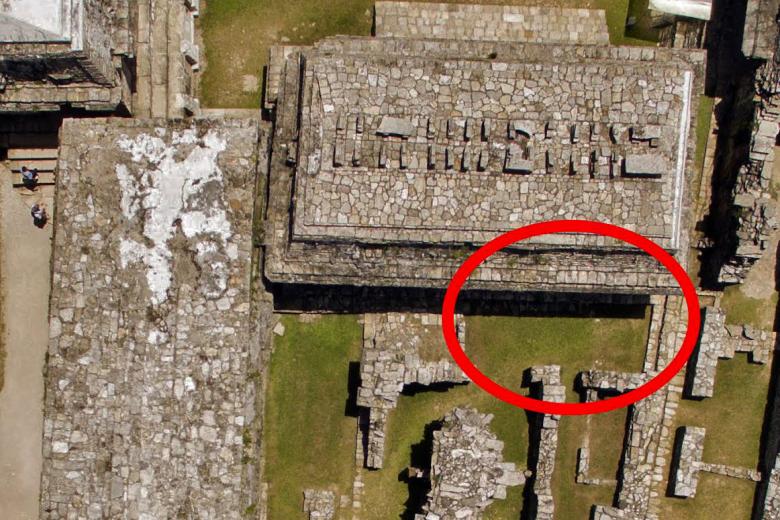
(25, 255)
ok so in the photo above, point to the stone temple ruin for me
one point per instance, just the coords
(383, 177)
(378, 162)
(399, 350)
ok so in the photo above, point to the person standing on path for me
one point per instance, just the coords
(29, 178)
(38, 213)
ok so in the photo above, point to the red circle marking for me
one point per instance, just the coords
(570, 226)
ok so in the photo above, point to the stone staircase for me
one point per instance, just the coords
(42, 159)
(167, 58)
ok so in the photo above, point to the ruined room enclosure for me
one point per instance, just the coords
(604, 344)
(315, 433)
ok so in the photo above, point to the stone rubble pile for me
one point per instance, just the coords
(468, 472)
(398, 350)
(754, 211)
(320, 504)
(771, 503)
(721, 341)
(545, 382)
(619, 382)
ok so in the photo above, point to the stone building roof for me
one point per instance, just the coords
(148, 394)
(447, 143)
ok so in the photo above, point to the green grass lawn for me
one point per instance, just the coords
(309, 441)
(741, 309)
(497, 345)
(502, 347)
(605, 432)
(716, 497)
(734, 415)
(238, 33)
(703, 119)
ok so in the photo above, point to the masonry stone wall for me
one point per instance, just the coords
(341, 152)
(489, 22)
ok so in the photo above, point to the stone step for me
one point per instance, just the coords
(33, 153)
(44, 178)
(42, 165)
(44, 194)
(29, 140)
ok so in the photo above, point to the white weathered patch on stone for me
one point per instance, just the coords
(59, 447)
(170, 190)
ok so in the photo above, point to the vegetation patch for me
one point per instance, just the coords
(703, 120)
(734, 415)
(500, 346)
(238, 33)
(716, 497)
(740, 308)
(605, 433)
(309, 438)
(503, 347)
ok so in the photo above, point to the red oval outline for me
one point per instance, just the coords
(568, 226)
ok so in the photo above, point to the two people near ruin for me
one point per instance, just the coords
(39, 215)
(29, 178)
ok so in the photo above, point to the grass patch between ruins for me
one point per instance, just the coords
(238, 33)
(309, 441)
(604, 432)
(734, 415)
(703, 120)
(716, 497)
(503, 347)
(742, 309)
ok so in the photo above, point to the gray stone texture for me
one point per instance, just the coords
(398, 350)
(355, 190)
(721, 341)
(148, 395)
(320, 504)
(98, 50)
(546, 385)
(648, 439)
(468, 472)
(754, 210)
(760, 34)
(491, 22)
(686, 476)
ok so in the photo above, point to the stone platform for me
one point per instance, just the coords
(398, 152)
(148, 398)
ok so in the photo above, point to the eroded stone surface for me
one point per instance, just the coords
(488, 22)
(399, 350)
(537, 140)
(148, 393)
(468, 472)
